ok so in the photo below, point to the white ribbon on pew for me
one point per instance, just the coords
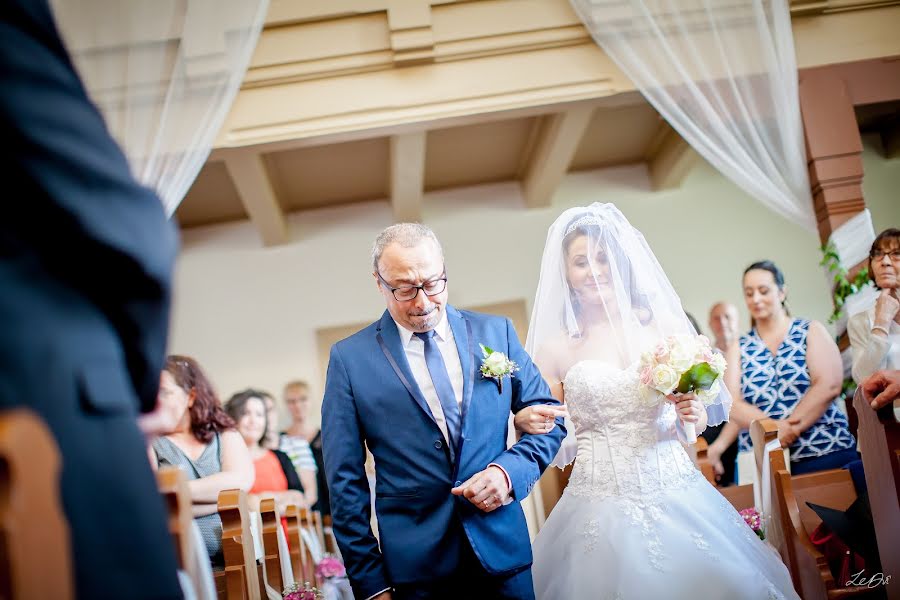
(206, 586)
(312, 541)
(284, 555)
(256, 534)
(762, 490)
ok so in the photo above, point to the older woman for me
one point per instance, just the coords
(875, 333)
(203, 444)
(789, 370)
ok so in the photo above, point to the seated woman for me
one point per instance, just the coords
(875, 333)
(789, 370)
(275, 474)
(203, 444)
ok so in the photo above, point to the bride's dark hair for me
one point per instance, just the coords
(639, 303)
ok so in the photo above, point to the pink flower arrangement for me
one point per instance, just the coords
(296, 591)
(330, 566)
(754, 520)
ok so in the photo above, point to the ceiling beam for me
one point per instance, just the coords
(552, 153)
(252, 182)
(669, 159)
(407, 175)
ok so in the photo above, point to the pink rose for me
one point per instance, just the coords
(661, 353)
(647, 376)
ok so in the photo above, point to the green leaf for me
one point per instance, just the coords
(485, 350)
(699, 377)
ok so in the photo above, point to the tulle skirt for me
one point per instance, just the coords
(680, 544)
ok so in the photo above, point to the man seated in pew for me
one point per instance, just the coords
(276, 476)
(882, 388)
(203, 443)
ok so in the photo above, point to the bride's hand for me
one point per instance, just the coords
(539, 418)
(687, 406)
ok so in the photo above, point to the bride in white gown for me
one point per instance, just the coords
(637, 519)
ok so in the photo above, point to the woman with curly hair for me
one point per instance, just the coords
(203, 443)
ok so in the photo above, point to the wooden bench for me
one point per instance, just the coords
(792, 520)
(240, 579)
(275, 576)
(879, 443)
(301, 556)
(35, 559)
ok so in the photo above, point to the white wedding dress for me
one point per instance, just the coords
(637, 519)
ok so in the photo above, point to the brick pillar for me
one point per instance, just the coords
(833, 149)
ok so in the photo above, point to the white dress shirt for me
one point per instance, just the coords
(415, 355)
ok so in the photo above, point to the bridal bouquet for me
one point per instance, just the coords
(682, 364)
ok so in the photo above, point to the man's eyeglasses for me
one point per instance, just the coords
(878, 254)
(409, 292)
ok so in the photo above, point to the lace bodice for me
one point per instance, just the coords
(626, 447)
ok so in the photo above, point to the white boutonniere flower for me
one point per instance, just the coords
(496, 366)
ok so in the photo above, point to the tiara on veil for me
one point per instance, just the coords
(581, 222)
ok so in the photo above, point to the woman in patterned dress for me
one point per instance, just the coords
(790, 371)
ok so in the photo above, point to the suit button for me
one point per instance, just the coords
(457, 484)
(438, 445)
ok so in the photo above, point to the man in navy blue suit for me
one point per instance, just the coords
(86, 256)
(409, 388)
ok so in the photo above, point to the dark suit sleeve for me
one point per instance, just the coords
(528, 458)
(290, 473)
(81, 214)
(345, 457)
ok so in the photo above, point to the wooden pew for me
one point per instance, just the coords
(792, 520)
(271, 523)
(173, 487)
(35, 559)
(879, 443)
(301, 557)
(740, 496)
(330, 541)
(240, 579)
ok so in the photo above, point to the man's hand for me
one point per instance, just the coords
(539, 418)
(882, 388)
(487, 489)
(156, 423)
(788, 431)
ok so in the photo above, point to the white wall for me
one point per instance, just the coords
(249, 314)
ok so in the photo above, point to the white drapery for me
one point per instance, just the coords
(724, 75)
(164, 73)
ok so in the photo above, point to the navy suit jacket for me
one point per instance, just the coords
(372, 398)
(86, 256)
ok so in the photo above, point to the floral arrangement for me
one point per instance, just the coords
(496, 366)
(330, 566)
(754, 520)
(296, 591)
(682, 364)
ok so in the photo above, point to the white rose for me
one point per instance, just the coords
(496, 363)
(707, 397)
(718, 363)
(681, 357)
(664, 378)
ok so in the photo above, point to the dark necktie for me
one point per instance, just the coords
(441, 380)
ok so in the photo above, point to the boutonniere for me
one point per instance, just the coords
(496, 366)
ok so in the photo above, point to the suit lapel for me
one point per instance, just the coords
(391, 345)
(462, 336)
